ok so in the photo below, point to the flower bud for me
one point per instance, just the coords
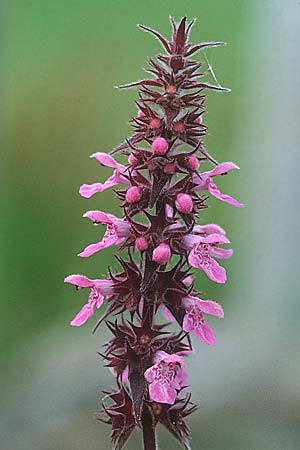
(184, 203)
(132, 159)
(140, 114)
(171, 89)
(160, 146)
(155, 123)
(141, 243)
(170, 168)
(162, 253)
(193, 162)
(133, 194)
(179, 127)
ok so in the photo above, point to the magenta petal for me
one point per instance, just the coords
(194, 260)
(187, 324)
(99, 301)
(211, 307)
(215, 272)
(79, 281)
(214, 239)
(100, 217)
(93, 248)
(214, 190)
(182, 378)
(210, 228)
(174, 358)
(150, 374)
(205, 333)
(83, 315)
(221, 253)
(108, 161)
(222, 168)
(162, 393)
(88, 190)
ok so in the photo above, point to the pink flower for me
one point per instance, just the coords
(203, 249)
(162, 253)
(88, 190)
(194, 320)
(99, 290)
(116, 231)
(166, 377)
(204, 182)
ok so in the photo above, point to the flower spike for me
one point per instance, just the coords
(163, 192)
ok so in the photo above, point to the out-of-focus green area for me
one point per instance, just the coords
(61, 62)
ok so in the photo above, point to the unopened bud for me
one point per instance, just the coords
(162, 253)
(141, 243)
(132, 159)
(193, 162)
(155, 123)
(170, 168)
(179, 127)
(184, 203)
(160, 146)
(133, 194)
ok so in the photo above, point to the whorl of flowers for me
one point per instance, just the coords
(163, 192)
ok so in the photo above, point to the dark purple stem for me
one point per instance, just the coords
(149, 435)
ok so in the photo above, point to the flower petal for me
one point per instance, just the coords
(162, 393)
(205, 333)
(214, 239)
(100, 217)
(108, 161)
(215, 272)
(88, 190)
(211, 307)
(80, 281)
(83, 315)
(214, 190)
(221, 169)
(221, 253)
(210, 228)
(163, 356)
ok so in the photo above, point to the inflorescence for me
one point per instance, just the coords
(163, 191)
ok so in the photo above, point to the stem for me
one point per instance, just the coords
(149, 435)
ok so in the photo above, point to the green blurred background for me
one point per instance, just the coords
(61, 60)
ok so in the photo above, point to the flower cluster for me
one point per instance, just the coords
(163, 189)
